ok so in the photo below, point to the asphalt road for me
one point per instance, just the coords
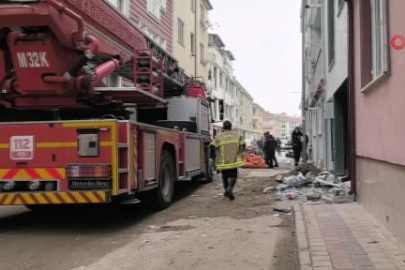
(131, 236)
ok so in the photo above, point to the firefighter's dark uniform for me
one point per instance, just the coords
(228, 158)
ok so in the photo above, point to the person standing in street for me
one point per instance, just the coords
(270, 148)
(228, 147)
(296, 138)
(278, 149)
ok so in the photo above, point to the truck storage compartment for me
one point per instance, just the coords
(189, 109)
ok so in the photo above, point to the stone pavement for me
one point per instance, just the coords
(343, 236)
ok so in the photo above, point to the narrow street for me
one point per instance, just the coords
(202, 230)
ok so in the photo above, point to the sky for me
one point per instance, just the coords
(265, 40)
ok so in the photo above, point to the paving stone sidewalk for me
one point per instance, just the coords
(344, 237)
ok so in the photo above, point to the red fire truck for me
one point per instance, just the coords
(65, 137)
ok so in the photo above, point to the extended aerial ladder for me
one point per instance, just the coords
(66, 138)
(56, 53)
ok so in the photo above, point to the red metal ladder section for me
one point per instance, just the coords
(148, 72)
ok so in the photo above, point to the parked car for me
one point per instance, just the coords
(286, 146)
(290, 153)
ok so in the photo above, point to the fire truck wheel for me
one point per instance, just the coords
(165, 188)
(210, 170)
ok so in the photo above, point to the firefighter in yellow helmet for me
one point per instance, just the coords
(228, 145)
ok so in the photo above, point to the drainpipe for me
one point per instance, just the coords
(351, 98)
(304, 143)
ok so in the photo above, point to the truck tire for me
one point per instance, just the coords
(166, 181)
(209, 176)
(164, 193)
(161, 197)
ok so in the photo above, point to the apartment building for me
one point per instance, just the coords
(225, 89)
(190, 41)
(154, 18)
(377, 49)
(280, 125)
(257, 121)
(363, 67)
(245, 107)
(324, 31)
(315, 68)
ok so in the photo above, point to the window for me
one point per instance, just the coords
(202, 15)
(120, 5)
(159, 40)
(379, 36)
(192, 44)
(211, 40)
(331, 31)
(193, 5)
(163, 5)
(180, 31)
(221, 79)
(215, 77)
(153, 8)
(202, 54)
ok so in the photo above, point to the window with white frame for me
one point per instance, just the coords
(120, 5)
(180, 31)
(202, 14)
(202, 54)
(211, 40)
(221, 79)
(150, 33)
(215, 78)
(379, 37)
(192, 44)
(193, 5)
(153, 8)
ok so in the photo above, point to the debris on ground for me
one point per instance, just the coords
(253, 161)
(268, 190)
(289, 194)
(282, 209)
(279, 178)
(311, 184)
(304, 169)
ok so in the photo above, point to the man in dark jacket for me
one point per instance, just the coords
(270, 146)
(296, 139)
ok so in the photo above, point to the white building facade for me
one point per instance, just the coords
(225, 89)
(324, 30)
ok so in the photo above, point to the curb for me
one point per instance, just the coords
(304, 255)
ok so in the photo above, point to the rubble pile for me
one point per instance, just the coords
(312, 186)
